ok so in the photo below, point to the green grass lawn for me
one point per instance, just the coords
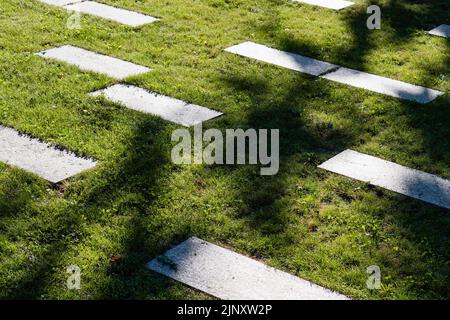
(136, 204)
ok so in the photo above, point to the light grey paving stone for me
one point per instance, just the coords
(91, 61)
(40, 158)
(167, 108)
(442, 31)
(60, 3)
(227, 275)
(391, 176)
(383, 85)
(130, 18)
(336, 73)
(330, 4)
(281, 58)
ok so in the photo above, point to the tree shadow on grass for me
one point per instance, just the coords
(404, 20)
(142, 168)
(422, 226)
(407, 18)
(124, 189)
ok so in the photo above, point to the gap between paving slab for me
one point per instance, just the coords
(378, 172)
(40, 158)
(168, 108)
(91, 61)
(335, 73)
(228, 275)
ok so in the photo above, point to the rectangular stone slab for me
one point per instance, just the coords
(391, 176)
(281, 58)
(165, 107)
(330, 4)
(442, 31)
(130, 18)
(383, 85)
(336, 73)
(59, 3)
(227, 275)
(40, 158)
(91, 61)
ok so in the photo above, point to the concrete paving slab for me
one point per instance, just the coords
(391, 176)
(281, 58)
(130, 18)
(40, 158)
(383, 85)
(330, 4)
(442, 31)
(91, 61)
(336, 73)
(168, 108)
(228, 275)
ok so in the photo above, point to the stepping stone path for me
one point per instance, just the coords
(442, 31)
(330, 4)
(391, 176)
(132, 97)
(91, 61)
(336, 73)
(167, 108)
(202, 265)
(227, 275)
(40, 158)
(130, 18)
